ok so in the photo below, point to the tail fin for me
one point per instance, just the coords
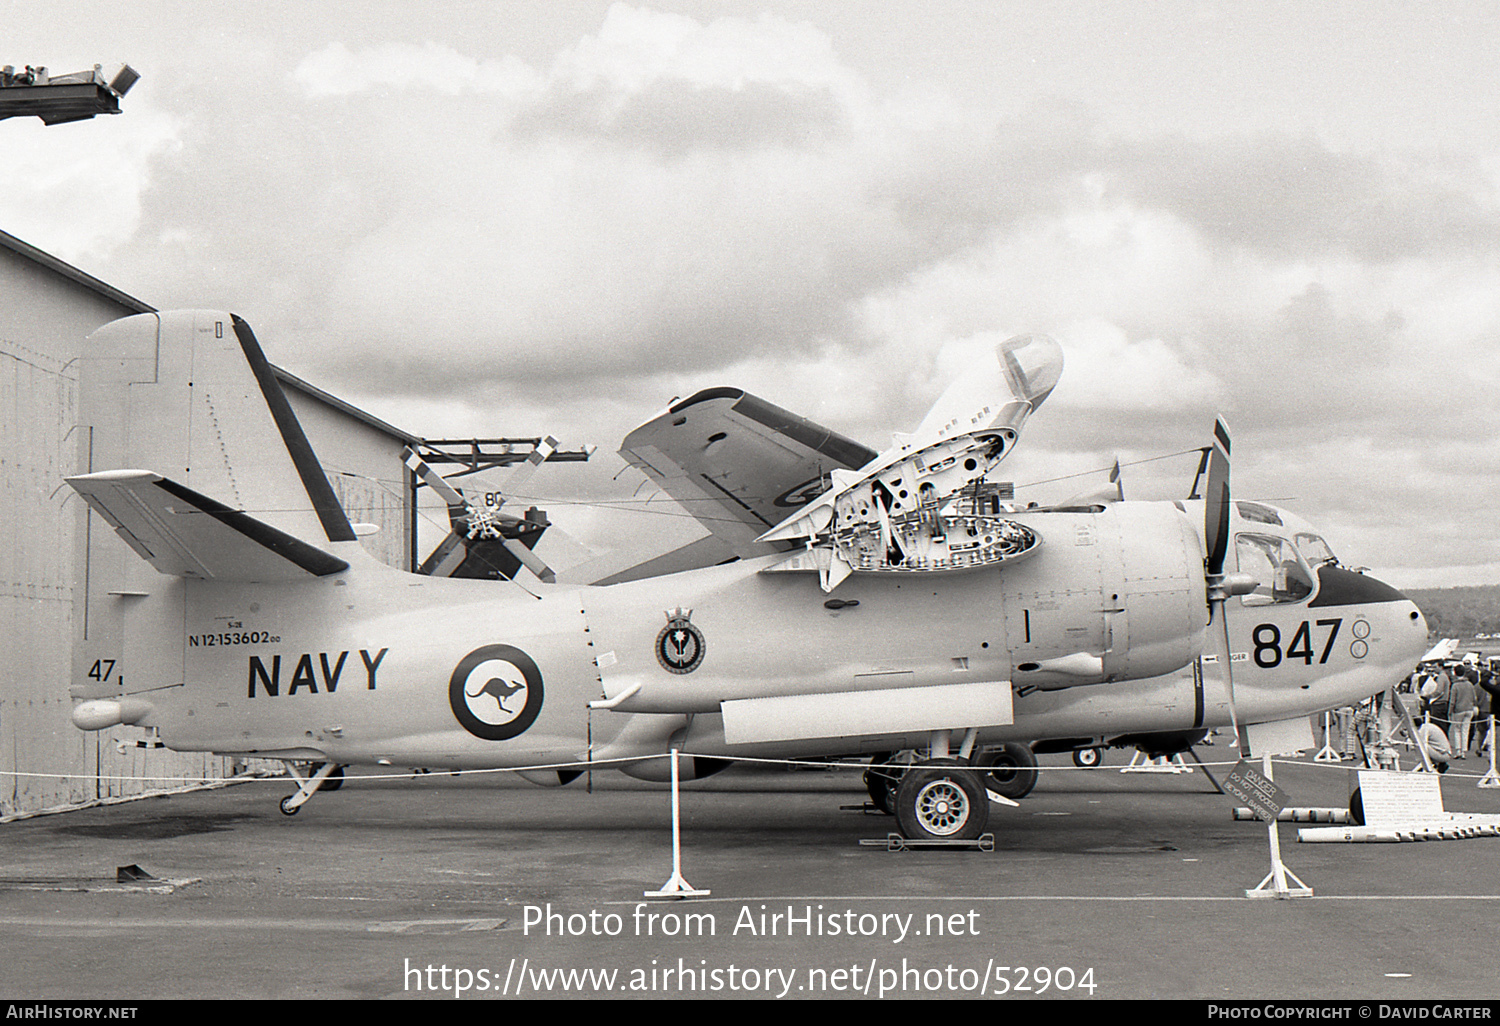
(189, 395)
(232, 490)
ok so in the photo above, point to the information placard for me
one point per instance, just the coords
(1398, 799)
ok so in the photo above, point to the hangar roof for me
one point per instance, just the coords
(133, 305)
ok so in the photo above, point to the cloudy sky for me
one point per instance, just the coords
(528, 216)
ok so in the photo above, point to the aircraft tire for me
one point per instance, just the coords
(333, 781)
(1012, 770)
(1088, 758)
(1357, 808)
(942, 801)
(881, 781)
(288, 809)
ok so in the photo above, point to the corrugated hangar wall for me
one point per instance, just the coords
(47, 308)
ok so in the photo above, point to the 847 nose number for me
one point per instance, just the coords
(1268, 650)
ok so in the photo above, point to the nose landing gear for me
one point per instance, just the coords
(327, 776)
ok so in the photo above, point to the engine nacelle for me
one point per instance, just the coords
(1118, 594)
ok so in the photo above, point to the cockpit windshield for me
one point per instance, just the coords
(1315, 550)
(1281, 574)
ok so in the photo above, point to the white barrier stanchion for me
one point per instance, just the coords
(1491, 779)
(1326, 753)
(1142, 763)
(676, 886)
(1276, 885)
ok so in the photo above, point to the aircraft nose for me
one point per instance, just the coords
(1340, 587)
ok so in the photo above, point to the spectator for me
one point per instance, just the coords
(1435, 699)
(1461, 703)
(1435, 743)
(1483, 705)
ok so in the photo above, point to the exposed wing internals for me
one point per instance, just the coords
(182, 533)
(895, 515)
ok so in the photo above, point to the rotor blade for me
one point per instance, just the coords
(446, 558)
(1216, 506)
(545, 448)
(530, 559)
(434, 480)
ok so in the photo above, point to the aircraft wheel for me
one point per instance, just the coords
(1012, 770)
(1088, 758)
(881, 780)
(941, 802)
(287, 808)
(1357, 808)
(333, 781)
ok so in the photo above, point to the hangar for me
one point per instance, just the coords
(47, 309)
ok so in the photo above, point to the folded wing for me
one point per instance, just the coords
(739, 465)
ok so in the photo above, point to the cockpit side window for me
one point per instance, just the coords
(1275, 564)
(1314, 550)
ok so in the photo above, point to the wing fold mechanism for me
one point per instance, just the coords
(920, 506)
(184, 534)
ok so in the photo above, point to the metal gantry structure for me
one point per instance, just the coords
(476, 455)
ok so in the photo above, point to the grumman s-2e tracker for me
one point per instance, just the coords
(878, 602)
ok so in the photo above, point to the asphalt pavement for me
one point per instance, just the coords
(1102, 884)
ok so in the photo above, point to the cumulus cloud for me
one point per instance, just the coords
(335, 70)
(447, 231)
(88, 200)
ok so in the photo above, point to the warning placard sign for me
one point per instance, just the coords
(1252, 787)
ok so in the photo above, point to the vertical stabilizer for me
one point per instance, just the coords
(189, 395)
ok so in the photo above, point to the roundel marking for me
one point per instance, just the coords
(801, 494)
(496, 692)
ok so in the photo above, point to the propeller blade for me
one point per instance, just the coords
(1220, 587)
(1216, 506)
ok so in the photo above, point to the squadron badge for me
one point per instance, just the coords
(496, 692)
(679, 646)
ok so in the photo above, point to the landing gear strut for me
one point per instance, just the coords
(881, 781)
(327, 775)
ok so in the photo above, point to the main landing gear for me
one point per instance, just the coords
(943, 798)
(326, 776)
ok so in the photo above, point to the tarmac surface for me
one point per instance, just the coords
(1102, 884)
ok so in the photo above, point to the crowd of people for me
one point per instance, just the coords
(1455, 699)
(1450, 702)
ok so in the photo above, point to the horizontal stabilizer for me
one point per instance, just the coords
(184, 534)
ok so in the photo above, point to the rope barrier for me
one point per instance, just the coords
(586, 764)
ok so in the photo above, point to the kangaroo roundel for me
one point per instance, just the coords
(496, 692)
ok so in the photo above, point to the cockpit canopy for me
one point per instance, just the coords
(1280, 551)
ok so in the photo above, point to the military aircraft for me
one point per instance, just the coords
(848, 603)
